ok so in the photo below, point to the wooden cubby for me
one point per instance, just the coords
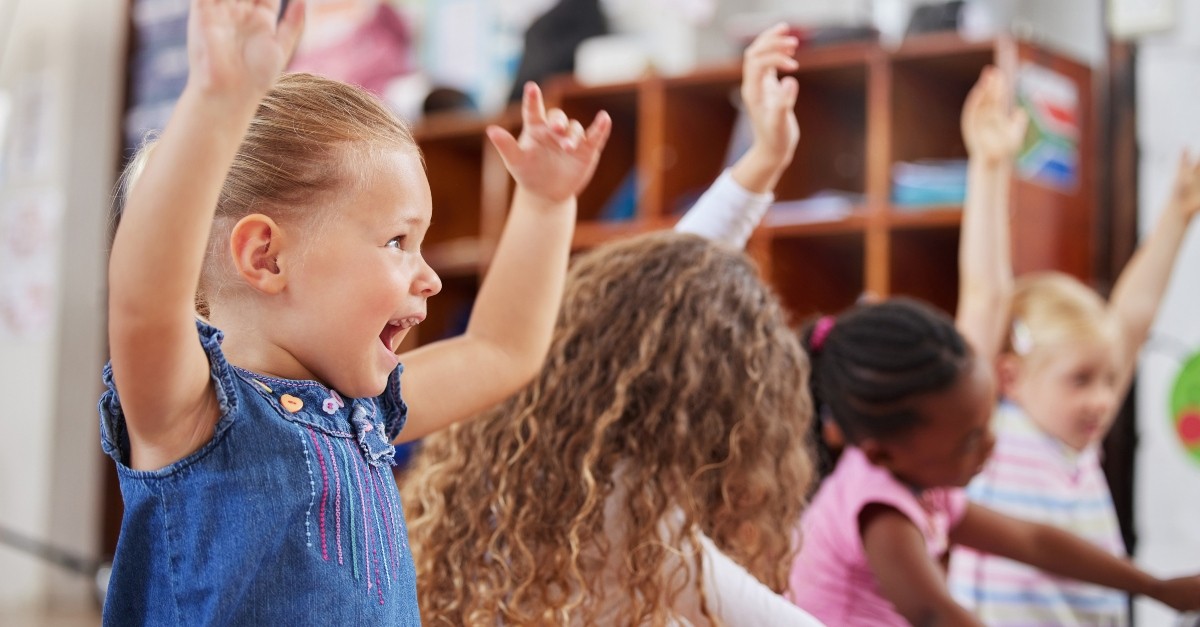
(861, 108)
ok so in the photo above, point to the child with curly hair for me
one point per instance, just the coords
(650, 473)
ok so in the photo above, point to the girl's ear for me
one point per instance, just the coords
(1008, 371)
(877, 453)
(256, 243)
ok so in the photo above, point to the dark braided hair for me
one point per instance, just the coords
(875, 362)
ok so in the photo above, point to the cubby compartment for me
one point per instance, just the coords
(817, 273)
(924, 263)
(612, 193)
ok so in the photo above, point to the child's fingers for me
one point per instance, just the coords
(505, 143)
(557, 120)
(574, 136)
(789, 91)
(290, 27)
(597, 132)
(533, 107)
(1017, 123)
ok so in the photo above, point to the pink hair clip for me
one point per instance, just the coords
(821, 331)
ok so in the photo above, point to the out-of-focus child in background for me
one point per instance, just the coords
(1067, 358)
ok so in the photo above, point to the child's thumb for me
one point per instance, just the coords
(505, 144)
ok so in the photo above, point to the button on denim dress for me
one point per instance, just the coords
(288, 516)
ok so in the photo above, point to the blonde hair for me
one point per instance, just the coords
(1052, 308)
(293, 156)
(674, 386)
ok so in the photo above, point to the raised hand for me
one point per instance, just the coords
(771, 102)
(1185, 197)
(235, 47)
(555, 157)
(991, 131)
(1182, 593)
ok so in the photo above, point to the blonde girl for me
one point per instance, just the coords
(1066, 359)
(253, 446)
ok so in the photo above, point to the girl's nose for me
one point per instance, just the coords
(427, 283)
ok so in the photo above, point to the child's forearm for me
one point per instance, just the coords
(518, 302)
(759, 172)
(159, 248)
(1067, 555)
(1140, 288)
(985, 259)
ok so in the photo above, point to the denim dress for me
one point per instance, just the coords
(288, 516)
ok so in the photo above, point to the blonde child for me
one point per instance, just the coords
(253, 459)
(648, 474)
(913, 395)
(1066, 361)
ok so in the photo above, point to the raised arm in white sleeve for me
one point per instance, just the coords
(727, 212)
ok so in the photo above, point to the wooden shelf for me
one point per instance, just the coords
(924, 217)
(861, 109)
(592, 234)
(459, 257)
(819, 273)
(783, 226)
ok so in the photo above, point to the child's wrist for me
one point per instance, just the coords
(525, 197)
(760, 169)
(226, 102)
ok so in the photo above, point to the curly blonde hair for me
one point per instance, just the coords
(672, 362)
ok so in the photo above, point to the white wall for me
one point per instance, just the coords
(49, 381)
(1167, 489)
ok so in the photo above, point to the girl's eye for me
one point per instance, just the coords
(396, 242)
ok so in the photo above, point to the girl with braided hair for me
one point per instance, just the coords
(911, 393)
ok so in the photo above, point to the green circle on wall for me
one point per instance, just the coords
(1185, 406)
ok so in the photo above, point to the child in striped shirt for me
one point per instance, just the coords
(912, 393)
(1066, 359)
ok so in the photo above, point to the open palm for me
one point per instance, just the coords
(236, 45)
(990, 129)
(555, 157)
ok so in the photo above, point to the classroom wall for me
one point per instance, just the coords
(65, 55)
(1167, 488)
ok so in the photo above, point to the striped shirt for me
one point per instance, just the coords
(1033, 476)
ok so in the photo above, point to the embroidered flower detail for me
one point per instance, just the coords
(371, 438)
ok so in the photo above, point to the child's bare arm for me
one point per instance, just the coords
(235, 52)
(913, 583)
(730, 210)
(513, 320)
(1062, 553)
(992, 134)
(1140, 288)
(770, 102)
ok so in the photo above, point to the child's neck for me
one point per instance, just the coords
(249, 347)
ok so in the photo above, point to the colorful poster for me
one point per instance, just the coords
(1050, 154)
(1185, 407)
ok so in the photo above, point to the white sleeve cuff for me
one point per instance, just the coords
(726, 213)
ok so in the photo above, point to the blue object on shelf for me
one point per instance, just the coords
(929, 182)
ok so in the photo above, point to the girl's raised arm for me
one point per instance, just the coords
(513, 320)
(735, 204)
(236, 50)
(1140, 288)
(993, 135)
